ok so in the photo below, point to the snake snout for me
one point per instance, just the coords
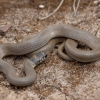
(1, 53)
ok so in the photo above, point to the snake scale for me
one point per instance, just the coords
(42, 39)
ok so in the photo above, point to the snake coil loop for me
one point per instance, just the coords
(40, 43)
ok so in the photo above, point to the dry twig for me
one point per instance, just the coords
(54, 10)
(75, 8)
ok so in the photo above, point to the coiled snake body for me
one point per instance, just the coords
(40, 40)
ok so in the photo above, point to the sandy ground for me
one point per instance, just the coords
(56, 79)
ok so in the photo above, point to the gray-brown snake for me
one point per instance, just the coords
(40, 40)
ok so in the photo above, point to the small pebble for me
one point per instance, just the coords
(41, 6)
(96, 2)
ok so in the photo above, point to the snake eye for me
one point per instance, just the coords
(38, 58)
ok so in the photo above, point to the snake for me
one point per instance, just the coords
(42, 39)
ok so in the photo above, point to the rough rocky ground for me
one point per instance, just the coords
(56, 79)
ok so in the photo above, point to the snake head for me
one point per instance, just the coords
(1, 52)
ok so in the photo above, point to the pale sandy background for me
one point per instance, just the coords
(56, 79)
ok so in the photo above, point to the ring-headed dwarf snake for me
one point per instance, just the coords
(37, 47)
